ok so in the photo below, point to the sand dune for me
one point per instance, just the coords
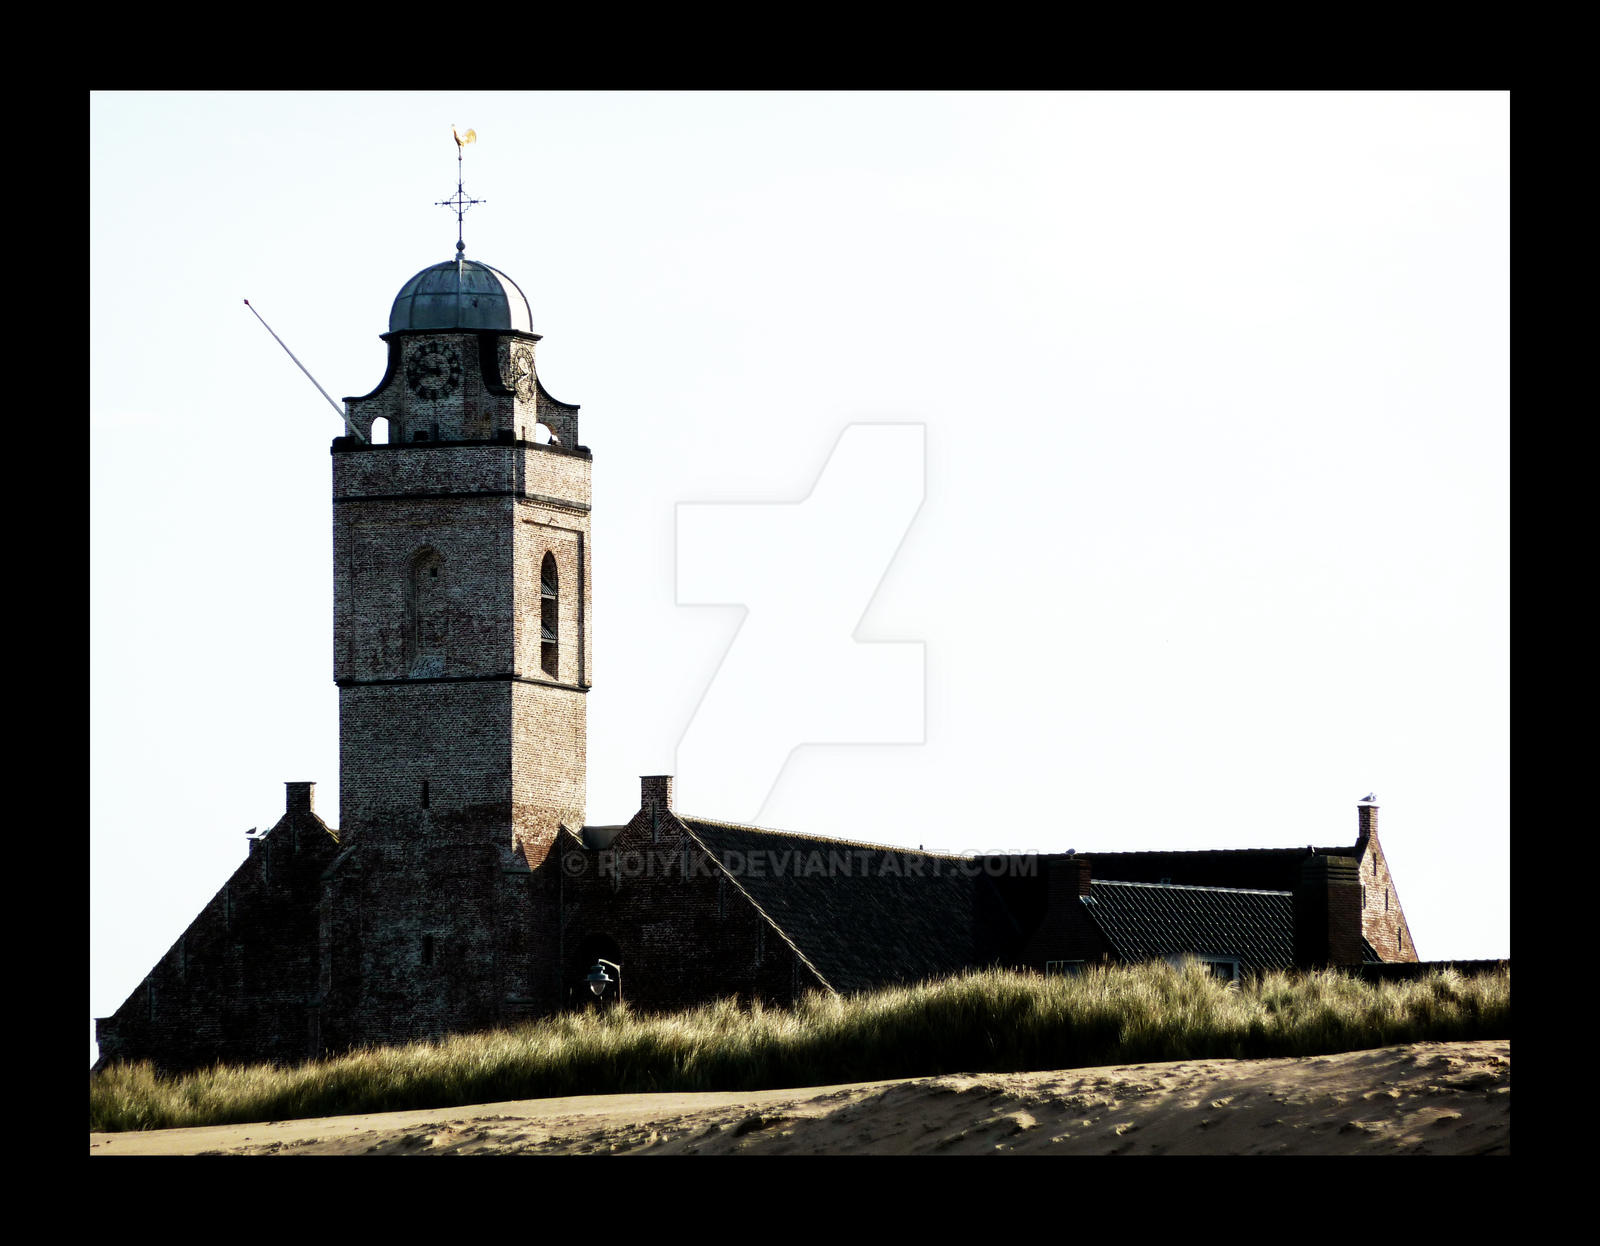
(1421, 1099)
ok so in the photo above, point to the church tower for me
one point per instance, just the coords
(462, 651)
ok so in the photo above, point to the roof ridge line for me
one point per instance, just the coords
(1254, 891)
(825, 839)
(1164, 852)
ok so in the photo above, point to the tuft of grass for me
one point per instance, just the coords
(988, 1021)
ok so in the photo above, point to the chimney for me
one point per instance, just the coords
(655, 789)
(1367, 819)
(1063, 929)
(1068, 878)
(1327, 911)
(301, 797)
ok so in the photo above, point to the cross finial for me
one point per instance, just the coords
(459, 200)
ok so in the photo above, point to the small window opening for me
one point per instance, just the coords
(427, 622)
(380, 432)
(427, 949)
(549, 617)
(420, 435)
(424, 793)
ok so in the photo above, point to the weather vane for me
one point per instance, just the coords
(459, 200)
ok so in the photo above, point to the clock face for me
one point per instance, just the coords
(522, 373)
(433, 370)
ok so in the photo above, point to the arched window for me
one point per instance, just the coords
(427, 622)
(380, 432)
(549, 617)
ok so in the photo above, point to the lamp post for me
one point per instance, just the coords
(599, 981)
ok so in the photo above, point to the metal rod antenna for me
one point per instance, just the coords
(350, 429)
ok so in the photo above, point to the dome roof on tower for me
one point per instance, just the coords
(460, 294)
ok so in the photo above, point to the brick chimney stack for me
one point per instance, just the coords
(655, 789)
(1367, 818)
(301, 797)
(1327, 911)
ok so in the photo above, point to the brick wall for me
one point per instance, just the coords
(1383, 922)
(682, 931)
(1327, 912)
(240, 984)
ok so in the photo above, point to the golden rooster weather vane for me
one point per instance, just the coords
(459, 200)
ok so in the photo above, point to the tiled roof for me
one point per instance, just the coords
(864, 915)
(1146, 920)
(1267, 869)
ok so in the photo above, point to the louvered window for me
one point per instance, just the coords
(549, 617)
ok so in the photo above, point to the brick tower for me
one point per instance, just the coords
(462, 655)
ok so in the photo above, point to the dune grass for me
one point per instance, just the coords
(993, 1021)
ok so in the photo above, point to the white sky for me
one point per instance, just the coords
(1216, 393)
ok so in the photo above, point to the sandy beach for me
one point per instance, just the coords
(1420, 1099)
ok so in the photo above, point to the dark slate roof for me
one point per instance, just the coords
(460, 294)
(863, 915)
(1266, 869)
(1147, 920)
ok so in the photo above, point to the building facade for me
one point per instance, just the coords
(462, 888)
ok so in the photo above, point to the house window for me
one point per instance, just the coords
(549, 618)
(1223, 967)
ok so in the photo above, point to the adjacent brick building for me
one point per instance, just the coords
(462, 888)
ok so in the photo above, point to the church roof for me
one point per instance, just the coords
(1271, 869)
(1145, 920)
(460, 294)
(863, 915)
